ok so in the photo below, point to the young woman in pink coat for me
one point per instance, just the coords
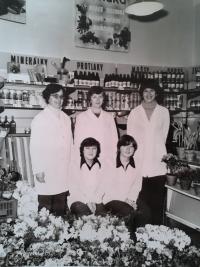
(149, 124)
(122, 185)
(86, 192)
(99, 124)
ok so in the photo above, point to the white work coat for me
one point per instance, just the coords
(103, 129)
(85, 184)
(50, 149)
(150, 136)
(121, 184)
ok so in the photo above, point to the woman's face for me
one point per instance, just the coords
(56, 100)
(127, 151)
(149, 95)
(96, 100)
(89, 152)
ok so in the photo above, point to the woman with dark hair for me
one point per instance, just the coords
(124, 184)
(99, 124)
(149, 123)
(50, 149)
(86, 178)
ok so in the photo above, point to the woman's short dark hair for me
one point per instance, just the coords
(126, 140)
(87, 142)
(95, 90)
(50, 89)
(153, 84)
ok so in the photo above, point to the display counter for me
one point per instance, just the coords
(183, 206)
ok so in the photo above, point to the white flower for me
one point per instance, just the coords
(88, 233)
(30, 222)
(2, 251)
(50, 231)
(79, 252)
(43, 215)
(161, 237)
(20, 229)
(40, 232)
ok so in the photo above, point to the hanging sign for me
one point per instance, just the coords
(101, 24)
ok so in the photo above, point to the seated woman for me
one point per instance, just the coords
(123, 185)
(85, 194)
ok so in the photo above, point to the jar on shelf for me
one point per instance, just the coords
(6, 96)
(25, 98)
(19, 98)
(11, 99)
(33, 98)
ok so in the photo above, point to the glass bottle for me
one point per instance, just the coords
(12, 126)
(6, 123)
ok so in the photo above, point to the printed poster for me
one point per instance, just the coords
(102, 25)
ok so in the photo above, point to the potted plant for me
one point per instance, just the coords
(196, 182)
(190, 143)
(178, 138)
(197, 152)
(185, 175)
(172, 163)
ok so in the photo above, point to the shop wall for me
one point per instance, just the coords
(168, 41)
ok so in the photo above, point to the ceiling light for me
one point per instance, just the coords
(143, 7)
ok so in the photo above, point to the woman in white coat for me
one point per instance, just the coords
(50, 149)
(86, 192)
(122, 189)
(99, 124)
(149, 123)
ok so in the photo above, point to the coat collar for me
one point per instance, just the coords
(119, 164)
(93, 115)
(89, 167)
(55, 114)
(145, 115)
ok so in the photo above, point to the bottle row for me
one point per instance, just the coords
(9, 126)
(175, 101)
(196, 73)
(195, 104)
(86, 78)
(21, 98)
(171, 75)
(113, 101)
(170, 79)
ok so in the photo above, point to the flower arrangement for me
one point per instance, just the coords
(160, 245)
(172, 162)
(196, 177)
(186, 176)
(196, 182)
(178, 135)
(8, 180)
(190, 138)
(174, 165)
(45, 240)
(186, 173)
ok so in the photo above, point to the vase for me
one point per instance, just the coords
(189, 154)
(185, 184)
(196, 188)
(180, 152)
(171, 179)
(197, 155)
